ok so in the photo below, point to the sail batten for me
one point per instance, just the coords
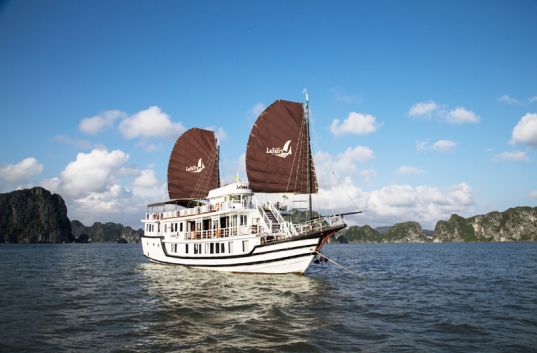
(193, 167)
(279, 153)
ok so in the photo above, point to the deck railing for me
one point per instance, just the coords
(319, 224)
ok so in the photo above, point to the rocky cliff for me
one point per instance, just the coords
(514, 224)
(407, 232)
(33, 216)
(357, 234)
(105, 232)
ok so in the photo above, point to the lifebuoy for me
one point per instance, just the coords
(217, 206)
(218, 233)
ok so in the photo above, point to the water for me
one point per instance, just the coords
(418, 297)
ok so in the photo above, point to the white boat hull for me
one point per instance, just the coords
(289, 256)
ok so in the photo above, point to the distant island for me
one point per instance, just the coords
(514, 224)
(37, 216)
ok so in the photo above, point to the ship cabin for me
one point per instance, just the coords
(227, 222)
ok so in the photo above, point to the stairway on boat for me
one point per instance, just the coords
(273, 220)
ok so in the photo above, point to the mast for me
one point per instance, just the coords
(218, 159)
(310, 183)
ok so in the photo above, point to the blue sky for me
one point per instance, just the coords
(436, 101)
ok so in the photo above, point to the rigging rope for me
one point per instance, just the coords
(343, 267)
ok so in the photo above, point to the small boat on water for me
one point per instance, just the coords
(226, 228)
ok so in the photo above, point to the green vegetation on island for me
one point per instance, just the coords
(33, 216)
(105, 233)
(514, 224)
(37, 216)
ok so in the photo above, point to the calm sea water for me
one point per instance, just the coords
(418, 297)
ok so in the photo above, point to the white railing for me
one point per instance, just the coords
(287, 227)
(319, 224)
(266, 219)
(212, 233)
(226, 205)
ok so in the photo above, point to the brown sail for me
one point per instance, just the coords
(193, 165)
(279, 152)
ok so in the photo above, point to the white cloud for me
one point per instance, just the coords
(21, 171)
(357, 154)
(345, 98)
(150, 123)
(440, 145)
(515, 101)
(423, 109)
(525, 131)
(508, 100)
(459, 115)
(343, 164)
(356, 123)
(101, 121)
(443, 145)
(512, 156)
(220, 133)
(148, 146)
(92, 172)
(422, 146)
(257, 109)
(368, 174)
(78, 143)
(462, 116)
(98, 186)
(397, 203)
(407, 170)
(146, 178)
(232, 168)
(533, 195)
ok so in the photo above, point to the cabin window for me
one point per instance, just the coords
(186, 248)
(158, 227)
(217, 248)
(181, 226)
(243, 220)
(229, 247)
(222, 248)
(212, 248)
(244, 245)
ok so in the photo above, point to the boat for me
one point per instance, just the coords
(206, 225)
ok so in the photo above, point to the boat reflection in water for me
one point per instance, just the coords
(196, 308)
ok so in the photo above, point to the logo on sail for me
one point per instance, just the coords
(196, 168)
(281, 152)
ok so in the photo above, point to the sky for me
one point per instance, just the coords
(419, 109)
